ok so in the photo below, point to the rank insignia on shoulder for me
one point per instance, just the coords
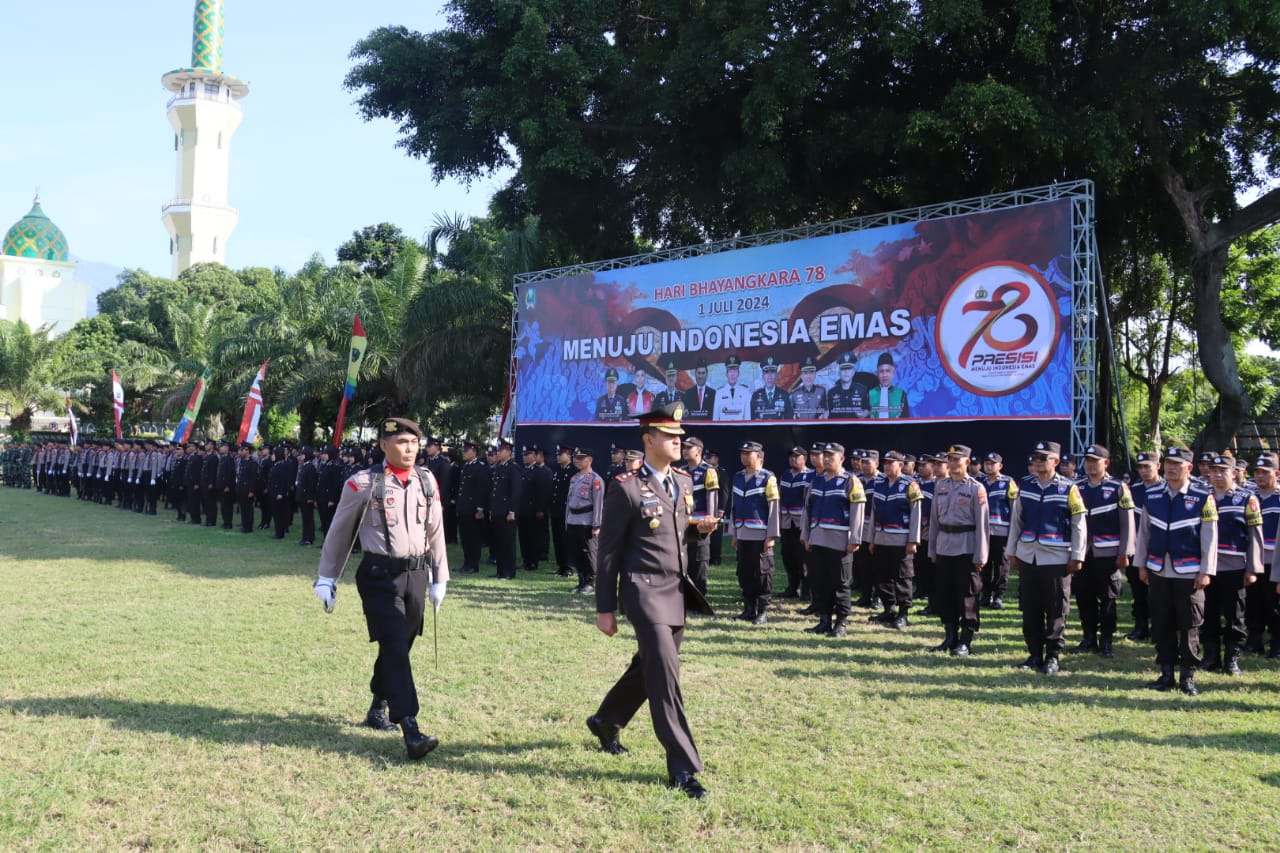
(622, 478)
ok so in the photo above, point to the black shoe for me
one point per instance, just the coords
(747, 614)
(1214, 664)
(377, 719)
(808, 611)
(277, 536)
(899, 623)
(1187, 684)
(948, 643)
(760, 619)
(838, 630)
(1232, 665)
(607, 734)
(789, 592)
(876, 603)
(1164, 683)
(928, 610)
(986, 601)
(885, 618)
(1032, 662)
(1107, 651)
(823, 626)
(1088, 644)
(416, 744)
(864, 602)
(1138, 634)
(997, 603)
(305, 542)
(587, 589)
(805, 596)
(226, 527)
(961, 650)
(1050, 666)
(688, 783)
(1253, 645)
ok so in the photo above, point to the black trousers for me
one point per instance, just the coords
(211, 494)
(654, 675)
(864, 573)
(308, 512)
(195, 504)
(698, 553)
(450, 522)
(325, 511)
(471, 534)
(755, 573)
(265, 501)
(830, 572)
(282, 514)
(178, 497)
(1224, 609)
(995, 574)
(895, 570)
(1177, 612)
(717, 545)
(957, 583)
(793, 557)
(228, 501)
(1141, 609)
(527, 530)
(246, 512)
(564, 563)
(1044, 595)
(504, 546)
(924, 569)
(1262, 610)
(1097, 587)
(580, 549)
(394, 605)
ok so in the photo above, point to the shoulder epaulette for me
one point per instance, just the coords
(624, 476)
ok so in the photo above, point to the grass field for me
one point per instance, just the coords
(167, 687)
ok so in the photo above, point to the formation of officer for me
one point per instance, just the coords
(642, 573)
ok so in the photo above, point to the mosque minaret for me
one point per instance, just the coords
(204, 112)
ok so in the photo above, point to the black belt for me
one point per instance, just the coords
(957, 528)
(400, 564)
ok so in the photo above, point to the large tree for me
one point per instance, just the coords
(676, 122)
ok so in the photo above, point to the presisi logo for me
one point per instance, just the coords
(997, 328)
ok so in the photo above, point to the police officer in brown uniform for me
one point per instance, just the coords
(642, 571)
(959, 536)
(397, 512)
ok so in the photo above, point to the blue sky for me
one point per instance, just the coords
(84, 120)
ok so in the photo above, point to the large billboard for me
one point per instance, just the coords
(957, 318)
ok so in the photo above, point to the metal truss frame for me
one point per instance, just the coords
(1084, 272)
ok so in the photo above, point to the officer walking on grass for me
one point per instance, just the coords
(642, 571)
(397, 513)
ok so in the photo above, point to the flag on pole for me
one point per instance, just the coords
(355, 356)
(117, 402)
(72, 427)
(509, 405)
(253, 406)
(183, 432)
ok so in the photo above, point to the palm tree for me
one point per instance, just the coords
(28, 372)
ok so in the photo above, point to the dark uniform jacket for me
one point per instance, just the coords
(195, 471)
(696, 412)
(308, 482)
(209, 473)
(329, 485)
(473, 487)
(560, 489)
(442, 468)
(642, 566)
(226, 472)
(506, 485)
(247, 476)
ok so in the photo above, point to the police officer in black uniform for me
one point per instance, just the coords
(506, 485)
(560, 477)
(473, 501)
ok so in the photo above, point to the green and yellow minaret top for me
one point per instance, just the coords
(206, 52)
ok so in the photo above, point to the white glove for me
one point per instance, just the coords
(436, 594)
(326, 589)
(153, 482)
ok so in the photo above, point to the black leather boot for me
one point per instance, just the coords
(949, 642)
(377, 718)
(1231, 666)
(1187, 683)
(416, 744)
(961, 649)
(838, 629)
(1165, 682)
(823, 626)
(1212, 657)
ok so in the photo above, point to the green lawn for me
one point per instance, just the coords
(164, 687)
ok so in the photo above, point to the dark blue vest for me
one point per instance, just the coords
(1103, 502)
(1046, 515)
(1175, 528)
(792, 487)
(750, 506)
(829, 502)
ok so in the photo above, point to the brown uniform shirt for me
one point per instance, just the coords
(400, 525)
(957, 504)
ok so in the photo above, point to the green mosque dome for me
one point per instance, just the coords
(35, 236)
